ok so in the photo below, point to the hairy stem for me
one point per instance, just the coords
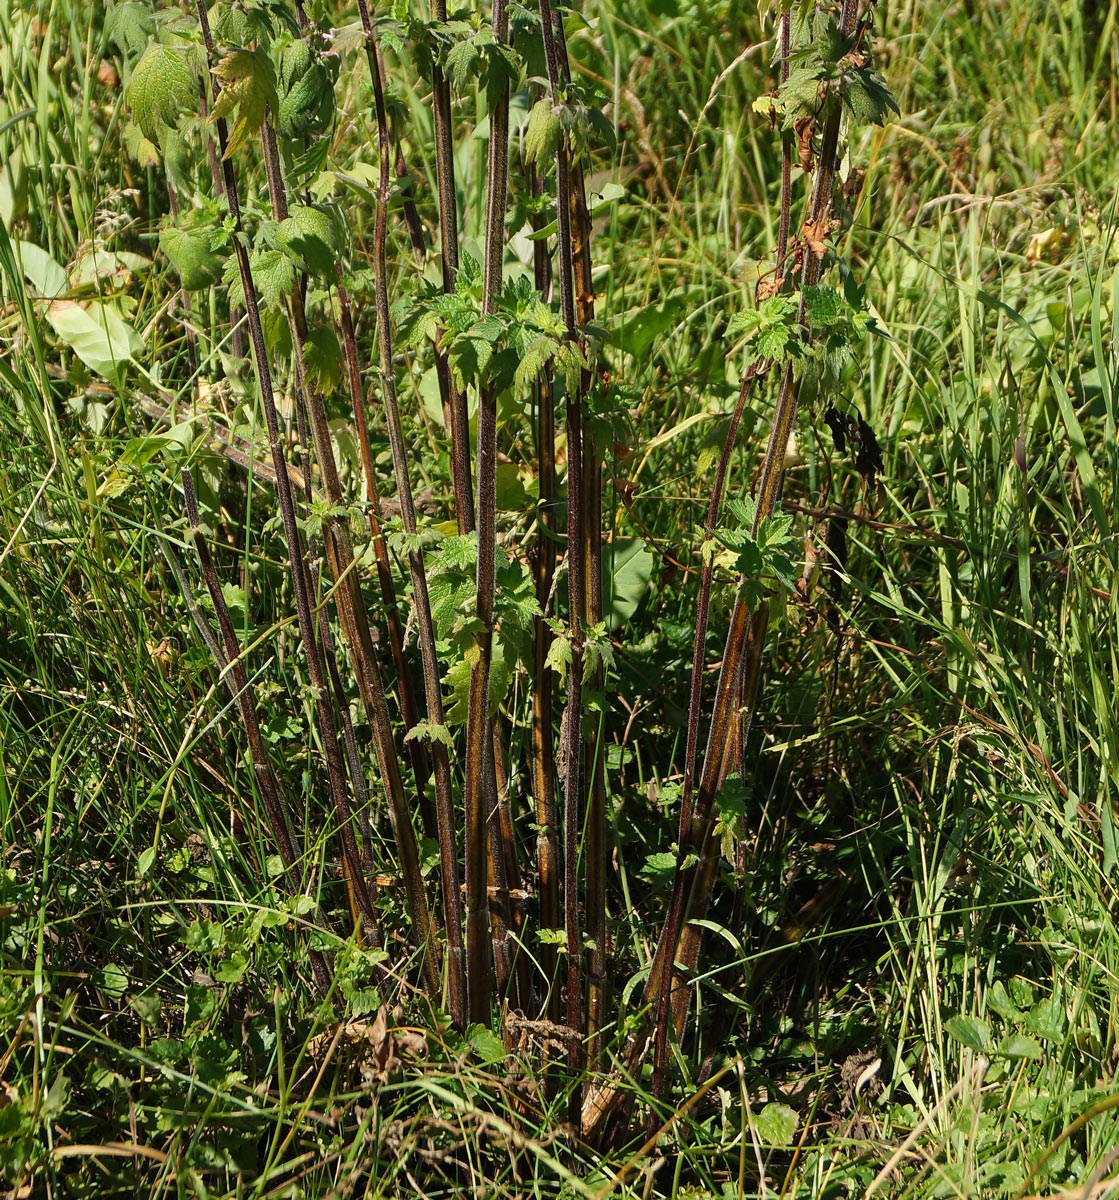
(444, 799)
(297, 557)
(571, 733)
(454, 396)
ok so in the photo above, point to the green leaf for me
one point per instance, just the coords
(249, 90)
(998, 1001)
(425, 731)
(772, 343)
(777, 1124)
(41, 271)
(972, 1032)
(1017, 1045)
(312, 237)
(307, 92)
(111, 979)
(559, 656)
(322, 358)
(867, 98)
(542, 133)
(533, 360)
(161, 89)
(273, 276)
(140, 148)
(823, 305)
(1047, 1020)
(190, 254)
(459, 63)
(457, 679)
(511, 493)
(98, 336)
(598, 651)
(659, 868)
(129, 25)
(627, 567)
(487, 1046)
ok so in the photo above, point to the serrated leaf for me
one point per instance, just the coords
(161, 89)
(559, 656)
(777, 1124)
(235, 598)
(449, 595)
(1017, 1045)
(129, 25)
(459, 63)
(972, 1032)
(307, 92)
(322, 358)
(425, 731)
(249, 90)
(823, 305)
(867, 98)
(273, 276)
(772, 343)
(659, 868)
(312, 237)
(1047, 1020)
(192, 257)
(533, 360)
(457, 679)
(488, 1047)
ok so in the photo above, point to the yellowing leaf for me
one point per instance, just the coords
(249, 90)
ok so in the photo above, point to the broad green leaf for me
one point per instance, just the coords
(659, 868)
(46, 277)
(559, 657)
(511, 493)
(312, 237)
(999, 1002)
(129, 25)
(97, 335)
(273, 276)
(161, 89)
(973, 1032)
(142, 149)
(190, 254)
(777, 1124)
(1047, 1020)
(486, 1045)
(306, 92)
(322, 358)
(542, 134)
(1017, 1045)
(627, 567)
